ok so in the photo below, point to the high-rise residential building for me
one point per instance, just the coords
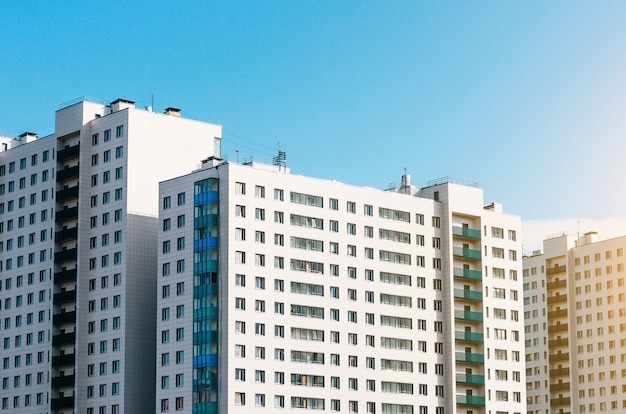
(78, 255)
(575, 320)
(283, 292)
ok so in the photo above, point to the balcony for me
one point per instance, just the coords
(559, 401)
(63, 381)
(561, 356)
(475, 400)
(559, 372)
(558, 342)
(204, 337)
(468, 274)
(556, 269)
(62, 403)
(205, 290)
(559, 313)
(467, 336)
(559, 386)
(64, 318)
(68, 153)
(65, 276)
(65, 255)
(559, 327)
(66, 214)
(208, 266)
(66, 360)
(468, 294)
(556, 284)
(64, 339)
(67, 194)
(207, 220)
(469, 357)
(67, 173)
(205, 384)
(471, 316)
(66, 234)
(470, 379)
(467, 253)
(557, 299)
(466, 232)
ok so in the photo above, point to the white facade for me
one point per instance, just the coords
(284, 292)
(82, 244)
(575, 317)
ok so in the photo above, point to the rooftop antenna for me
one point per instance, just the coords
(152, 101)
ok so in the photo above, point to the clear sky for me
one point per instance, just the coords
(526, 98)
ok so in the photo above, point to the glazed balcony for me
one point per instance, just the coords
(469, 358)
(466, 336)
(468, 274)
(468, 294)
(470, 316)
(467, 253)
(205, 313)
(466, 232)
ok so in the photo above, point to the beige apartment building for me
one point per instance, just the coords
(575, 320)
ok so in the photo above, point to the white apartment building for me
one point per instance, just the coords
(282, 292)
(575, 322)
(78, 255)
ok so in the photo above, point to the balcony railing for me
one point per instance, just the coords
(557, 299)
(476, 400)
(468, 294)
(64, 318)
(61, 403)
(559, 386)
(467, 336)
(556, 284)
(68, 153)
(467, 253)
(557, 313)
(558, 342)
(559, 327)
(67, 194)
(64, 339)
(468, 274)
(555, 270)
(67, 173)
(66, 234)
(559, 372)
(563, 356)
(466, 232)
(65, 255)
(470, 379)
(469, 358)
(63, 381)
(65, 276)
(70, 213)
(560, 401)
(63, 360)
(468, 315)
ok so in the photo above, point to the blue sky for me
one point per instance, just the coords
(528, 99)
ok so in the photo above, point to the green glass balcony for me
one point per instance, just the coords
(467, 253)
(468, 336)
(469, 357)
(476, 400)
(468, 294)
(468, 274)
(470, 379)
(466, 232)
(468, 315)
